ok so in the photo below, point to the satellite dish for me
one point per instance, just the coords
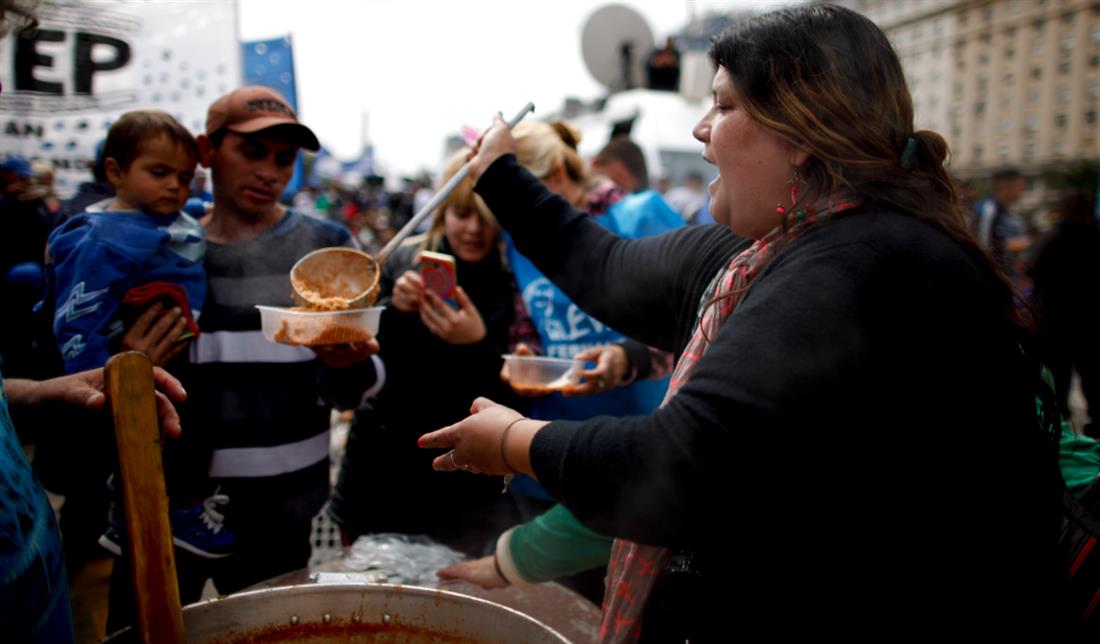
(616, 42)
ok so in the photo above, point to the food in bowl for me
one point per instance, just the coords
(308, 328)
(334, 279)
(536, 375)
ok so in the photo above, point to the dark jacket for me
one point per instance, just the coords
(856, 451)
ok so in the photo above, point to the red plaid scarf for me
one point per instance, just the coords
(634, 567)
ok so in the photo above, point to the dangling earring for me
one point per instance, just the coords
(795, 180)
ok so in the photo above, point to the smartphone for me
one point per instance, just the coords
(437, 271)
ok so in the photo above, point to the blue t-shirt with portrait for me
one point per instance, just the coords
(565, 330)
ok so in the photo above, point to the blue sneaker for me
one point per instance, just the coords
(111, 539)
(200, 530)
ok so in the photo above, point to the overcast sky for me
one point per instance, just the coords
(421, 69)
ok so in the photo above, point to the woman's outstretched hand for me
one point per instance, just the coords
(478, 444)
(491, 145)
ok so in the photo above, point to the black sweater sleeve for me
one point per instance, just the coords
(647, 289)
(836, 322)
(654, 479)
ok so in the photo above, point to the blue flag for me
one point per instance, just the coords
(271, 63)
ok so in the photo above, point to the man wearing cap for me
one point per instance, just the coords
(263, 407)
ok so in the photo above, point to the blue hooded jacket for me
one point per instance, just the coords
(96, 257)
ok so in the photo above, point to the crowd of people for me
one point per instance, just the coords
(831, 409)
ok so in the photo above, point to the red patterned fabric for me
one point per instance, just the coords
(142, 296)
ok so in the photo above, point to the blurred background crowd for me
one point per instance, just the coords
(1013, 85)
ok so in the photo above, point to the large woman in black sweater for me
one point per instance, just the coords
(851, 444)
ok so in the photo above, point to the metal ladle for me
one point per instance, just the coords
(366, 269)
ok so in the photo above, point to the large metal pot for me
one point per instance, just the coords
(356, 613)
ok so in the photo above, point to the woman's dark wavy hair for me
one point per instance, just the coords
(827, 80)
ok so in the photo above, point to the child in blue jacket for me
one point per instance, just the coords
(124, 254)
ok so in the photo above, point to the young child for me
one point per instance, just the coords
(121, 256)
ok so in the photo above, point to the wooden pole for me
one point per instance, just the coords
(131, 394)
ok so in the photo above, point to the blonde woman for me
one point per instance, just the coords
(436, 360)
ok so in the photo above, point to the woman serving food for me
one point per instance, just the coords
(850, 441)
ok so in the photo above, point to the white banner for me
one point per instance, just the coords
(66, 82)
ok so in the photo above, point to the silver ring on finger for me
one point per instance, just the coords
(453, 463)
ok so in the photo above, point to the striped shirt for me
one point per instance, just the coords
(258, 403)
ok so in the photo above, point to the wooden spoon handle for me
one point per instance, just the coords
(130, 390)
